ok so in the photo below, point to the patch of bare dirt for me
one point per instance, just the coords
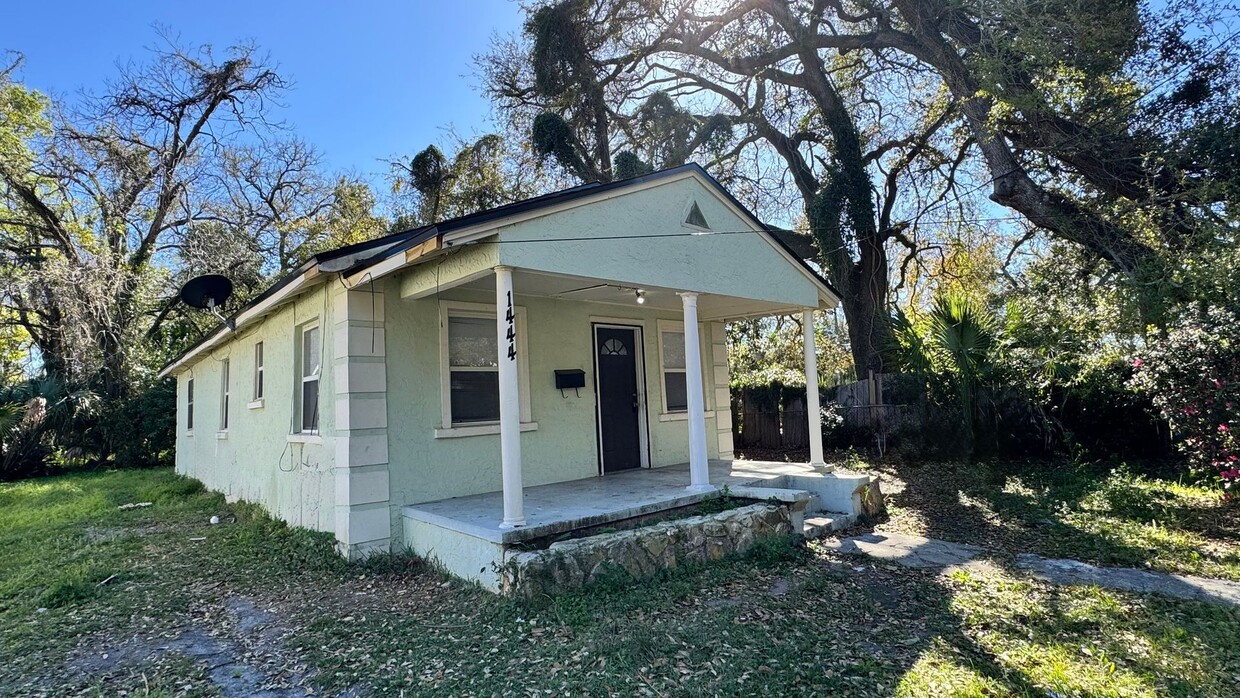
(236, 646)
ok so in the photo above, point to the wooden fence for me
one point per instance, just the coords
(760, 422)
(769, 427)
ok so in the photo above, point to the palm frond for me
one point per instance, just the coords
(965, 333)
(908, 346)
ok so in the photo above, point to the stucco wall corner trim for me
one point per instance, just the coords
(363, 489)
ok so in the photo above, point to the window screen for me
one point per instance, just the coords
(258, 371)
(224, 380)
(695, 217)
(473, 362)
(675, 393)
(310, 369)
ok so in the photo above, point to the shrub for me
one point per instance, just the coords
(43, 420)
(1192, 376)
(955, 347)
(1097, 415)
(141, 430)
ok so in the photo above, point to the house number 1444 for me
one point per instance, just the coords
(511, 334)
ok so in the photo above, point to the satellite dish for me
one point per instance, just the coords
(208, 292)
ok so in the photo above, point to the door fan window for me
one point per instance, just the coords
(613, 347)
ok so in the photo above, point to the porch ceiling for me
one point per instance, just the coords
(614, 292)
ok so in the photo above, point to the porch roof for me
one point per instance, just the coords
(567, 506)
(461, 230)
(373, 259)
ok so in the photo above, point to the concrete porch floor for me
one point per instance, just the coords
(565, 506)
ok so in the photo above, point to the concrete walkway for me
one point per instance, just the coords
(909, 551)
(927, 553)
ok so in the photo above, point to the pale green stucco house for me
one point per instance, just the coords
(381, 375)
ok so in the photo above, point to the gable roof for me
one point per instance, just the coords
(568, 196)
(353, 259)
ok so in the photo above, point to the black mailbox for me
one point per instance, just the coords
(570, 378)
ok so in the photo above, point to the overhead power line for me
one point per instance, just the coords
(711, 233)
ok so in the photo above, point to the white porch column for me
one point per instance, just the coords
(509, 400)
(812, 406)
(699, 469)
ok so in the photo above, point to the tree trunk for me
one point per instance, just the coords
(51, 349)
(863, 282)
(865, 310)
(863, 285)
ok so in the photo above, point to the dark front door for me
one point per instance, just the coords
(616, 350)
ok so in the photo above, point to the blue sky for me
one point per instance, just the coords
(371, 79)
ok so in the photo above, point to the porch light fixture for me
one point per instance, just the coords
(641, 296)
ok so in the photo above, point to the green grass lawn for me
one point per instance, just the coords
(183, 608)
(1104, 515)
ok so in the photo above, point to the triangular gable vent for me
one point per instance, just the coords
(695, 217)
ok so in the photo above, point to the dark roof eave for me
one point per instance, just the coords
(271, 290)
(318, 260)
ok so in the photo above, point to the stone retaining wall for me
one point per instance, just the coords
(643, 552)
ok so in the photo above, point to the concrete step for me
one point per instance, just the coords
(836, 491)
(823, 523)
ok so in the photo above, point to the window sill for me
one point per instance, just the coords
(222, 434)
(189, 432)
(257, 404)
(305, 439)
(682, 416)
(478, 430)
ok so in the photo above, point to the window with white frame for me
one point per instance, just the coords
(189, 405)
(258, 371)
(309, 370)
(474, 367)
(224, 395)
(471, 364)
(672, 367)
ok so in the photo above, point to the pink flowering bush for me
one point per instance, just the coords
(1193, 378)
